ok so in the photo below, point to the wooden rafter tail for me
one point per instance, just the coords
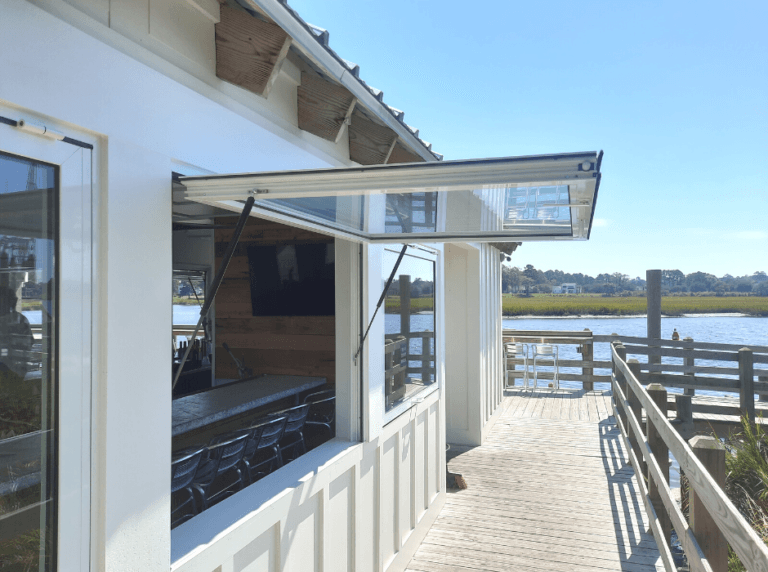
(401, 154)
(249, 50)
(324, 106)
(369, 142)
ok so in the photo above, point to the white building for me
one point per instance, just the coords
(107, 107)
(567, 288)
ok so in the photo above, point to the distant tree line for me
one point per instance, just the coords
(532, 280)
(419, 288)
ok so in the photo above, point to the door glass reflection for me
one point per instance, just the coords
(28, 310)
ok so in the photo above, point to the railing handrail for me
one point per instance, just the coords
(544, 333)
(600, 338)
(734, 527)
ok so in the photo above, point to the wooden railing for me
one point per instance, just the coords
(748, 375)
(713, 517)
(583, 339)
(395, 366)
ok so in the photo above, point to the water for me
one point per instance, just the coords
(182, 315)
(185, 315)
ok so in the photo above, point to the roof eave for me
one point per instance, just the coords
(325, 58)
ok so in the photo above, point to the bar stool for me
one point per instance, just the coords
(546, 351)
(515, 351)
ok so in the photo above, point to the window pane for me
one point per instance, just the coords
(409, 328)
(521, 212)
(28, 310)
(188, 296)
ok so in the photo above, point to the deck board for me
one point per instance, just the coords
(550, 489)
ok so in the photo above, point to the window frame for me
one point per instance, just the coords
(76, 352)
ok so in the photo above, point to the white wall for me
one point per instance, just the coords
(474, 381)
(366, 506)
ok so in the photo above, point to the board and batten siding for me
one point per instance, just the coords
(474, 380)
(365, 509)
(287, 345)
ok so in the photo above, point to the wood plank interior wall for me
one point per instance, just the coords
(288, 345)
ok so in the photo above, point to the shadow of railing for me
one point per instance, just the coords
(635, 544)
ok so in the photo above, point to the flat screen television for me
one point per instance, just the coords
(292, 279)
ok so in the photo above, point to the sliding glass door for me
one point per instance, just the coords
(45, 245)
(28, 347)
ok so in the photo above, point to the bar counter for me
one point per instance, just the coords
(219, 403)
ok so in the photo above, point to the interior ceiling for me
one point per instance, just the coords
(189, 215)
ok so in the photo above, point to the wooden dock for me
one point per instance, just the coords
(550, 489)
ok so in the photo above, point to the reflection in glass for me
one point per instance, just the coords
(409, 326)
(411, 212)
(502, 212)
(28, 296)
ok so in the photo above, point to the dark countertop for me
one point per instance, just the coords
(219, 403)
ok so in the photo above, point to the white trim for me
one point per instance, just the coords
(494, 173)
(487, 213)
(77, 361)
(410, 403)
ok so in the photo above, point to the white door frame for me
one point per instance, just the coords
(77, 170)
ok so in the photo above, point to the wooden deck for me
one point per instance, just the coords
(550, 489)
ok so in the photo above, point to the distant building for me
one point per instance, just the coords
(567, 288)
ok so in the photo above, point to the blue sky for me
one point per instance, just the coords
(676, 94)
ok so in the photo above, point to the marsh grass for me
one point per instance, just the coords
(596, 305)
(746, 481)
(417, 305)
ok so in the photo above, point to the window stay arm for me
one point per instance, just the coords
(211, 296)
(381, 300)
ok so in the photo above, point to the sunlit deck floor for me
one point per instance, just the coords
(550, 489)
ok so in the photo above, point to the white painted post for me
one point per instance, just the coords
(653, 305)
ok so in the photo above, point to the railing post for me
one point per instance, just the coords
(621, 351)
(587, 354)
(402, 354)
(653, 305)
(636, 409)
(689, 362)
(405, 313)
(660, 451)
(683, 424)
(747, 384)
(389, 363)
(711, 453)
(426, 358)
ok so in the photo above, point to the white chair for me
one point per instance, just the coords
(515, 351)
(541, 351)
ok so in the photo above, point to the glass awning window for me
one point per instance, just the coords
(516, 199)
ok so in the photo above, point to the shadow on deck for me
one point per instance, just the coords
(550, 489)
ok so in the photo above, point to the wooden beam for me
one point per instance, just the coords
(249, 51)
(324, 106)
(369, 142)
(400, 154)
